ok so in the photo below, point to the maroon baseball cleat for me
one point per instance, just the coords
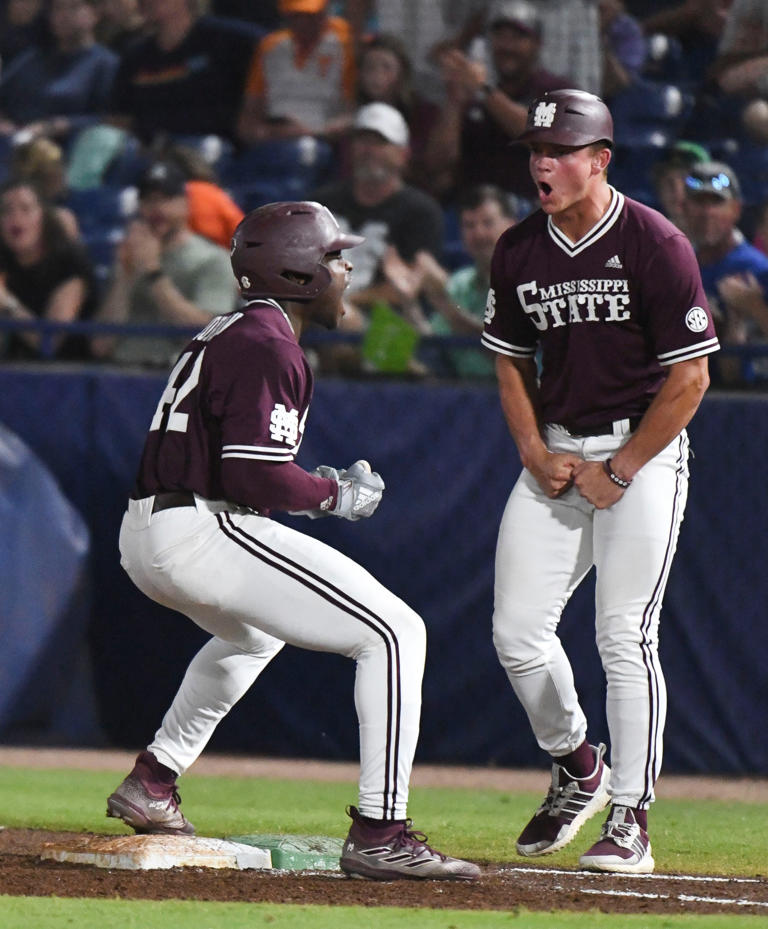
(571, 801)
(623, 846)
(392, 851)
(147, 803)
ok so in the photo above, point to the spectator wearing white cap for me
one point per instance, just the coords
(398, 220)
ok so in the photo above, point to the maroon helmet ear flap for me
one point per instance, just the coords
(278, 249)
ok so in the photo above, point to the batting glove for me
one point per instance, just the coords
(360, 491)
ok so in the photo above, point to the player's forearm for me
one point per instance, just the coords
(272, 486)
(669, 413)
(518, 393)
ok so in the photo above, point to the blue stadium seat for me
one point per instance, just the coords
(5, 156)
(250, 195)
(665, 61)
(631, 169)
(101, 250)
(128, 165)
(290, 168)
(216, 151)
(101, 209)
(650, 113)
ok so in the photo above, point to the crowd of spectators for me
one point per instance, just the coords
(134, 134)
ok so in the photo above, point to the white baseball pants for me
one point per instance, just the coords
(545, 548)
(255, 584)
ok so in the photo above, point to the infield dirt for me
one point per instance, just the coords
(503, 885)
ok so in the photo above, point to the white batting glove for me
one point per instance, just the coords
(360, 491)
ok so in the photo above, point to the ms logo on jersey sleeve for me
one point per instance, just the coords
(696, 319)
(544, 115)
(284, 424)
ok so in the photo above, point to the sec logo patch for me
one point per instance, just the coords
(696, 319)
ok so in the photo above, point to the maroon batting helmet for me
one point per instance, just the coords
(568, 117)
(277, 250)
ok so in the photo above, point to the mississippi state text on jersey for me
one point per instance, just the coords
(608, 312)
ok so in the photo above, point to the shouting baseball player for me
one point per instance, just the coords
(197, 537)
(609, 292)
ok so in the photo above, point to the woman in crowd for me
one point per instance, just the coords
(385, 76)
(44, 273)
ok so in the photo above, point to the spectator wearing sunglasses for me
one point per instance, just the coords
(734, 272)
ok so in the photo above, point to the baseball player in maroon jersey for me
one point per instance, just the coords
(609, 293)
(197, 537)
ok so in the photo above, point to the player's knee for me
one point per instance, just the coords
(623, 642)
(401, 629)
(521, 646)
(410, 629)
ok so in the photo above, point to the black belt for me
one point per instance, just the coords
(172, 498)
(585, 432)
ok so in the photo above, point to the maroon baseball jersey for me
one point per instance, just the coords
(608, 312)
(231, 419)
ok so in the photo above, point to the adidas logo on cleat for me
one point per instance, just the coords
(614, 262)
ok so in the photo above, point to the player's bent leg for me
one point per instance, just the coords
(148, 799)
(245, 568)
(215, 680)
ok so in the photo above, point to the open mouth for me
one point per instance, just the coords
(545, 188)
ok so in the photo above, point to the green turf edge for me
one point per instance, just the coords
(64, 913)
(689, 837)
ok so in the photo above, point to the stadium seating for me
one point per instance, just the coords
(287, 169)
(650, 113)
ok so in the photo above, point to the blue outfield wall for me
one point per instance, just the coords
(449, 464)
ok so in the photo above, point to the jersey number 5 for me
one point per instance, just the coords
(175, 393)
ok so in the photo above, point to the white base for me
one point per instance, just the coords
(149, 852)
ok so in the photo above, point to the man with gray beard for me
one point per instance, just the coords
(397, 220)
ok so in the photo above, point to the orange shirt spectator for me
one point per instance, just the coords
(212, 212)
(302, 76)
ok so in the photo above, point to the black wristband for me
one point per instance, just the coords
(619, 481)
(151, 276)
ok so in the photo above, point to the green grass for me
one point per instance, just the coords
(40, 913)
(44, 913)
(695, 837)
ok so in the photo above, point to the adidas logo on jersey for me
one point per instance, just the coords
(614, 263)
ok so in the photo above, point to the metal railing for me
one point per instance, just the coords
(752, 359)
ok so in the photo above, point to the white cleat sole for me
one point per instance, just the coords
(616, 865)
